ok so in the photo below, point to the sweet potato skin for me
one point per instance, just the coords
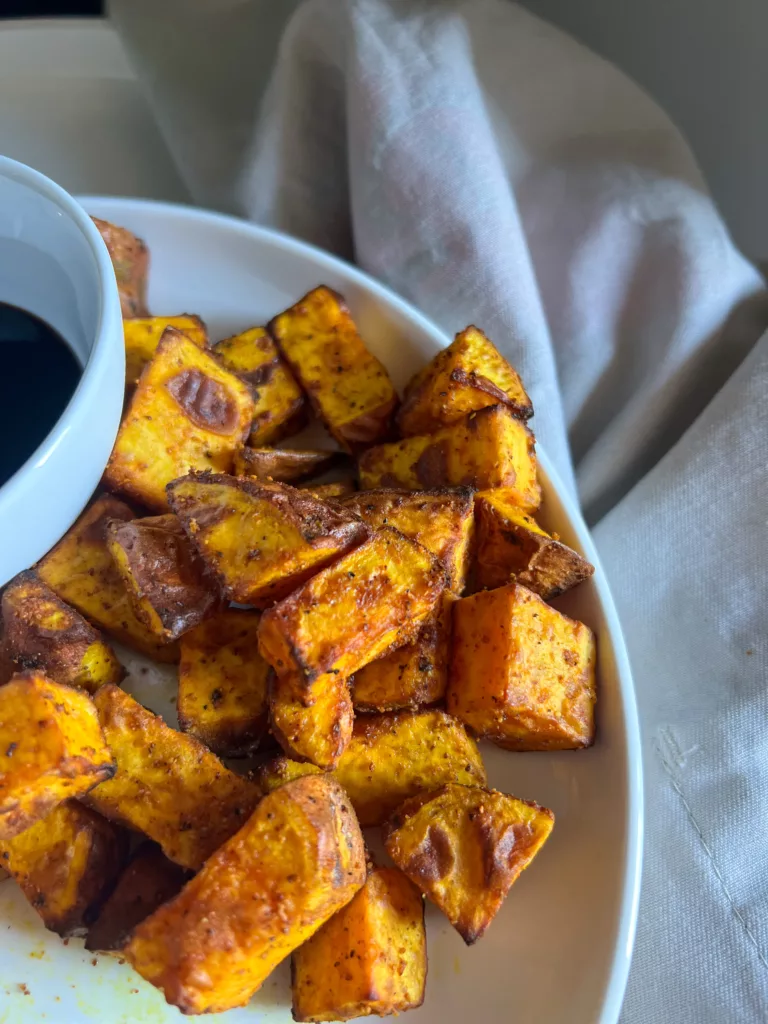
(370, 958)
(65, 863)
(280, 407)
(142, 336)
(261, 540)
(212, 947)
(167, 784)
(465, 847)
(51, 748)
(522, 674)
(488, 449)
(284, 465)
(317, 728)
(187, 413)
(222, 697)
(130, 259)
(42, 632)
(469, 375)
(348, 387)
(80, 570)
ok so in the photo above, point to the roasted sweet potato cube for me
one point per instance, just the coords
(280, 408)
(167, 785)
(186, 413)
(522, 674)
(169, 583)
(464, 847)
(142, 336)
(470, 374)
(66, 863)
(261, 540)
(223, 684)
(335, 489)
(279, 770)
(348, 387)
(130, 259)
(148, 881)
(411, 675)
(51, 748)
(353, 611)
(296, 862)
(370, 958)
(316, 728)
(443, 521)
(490, 448)
(41, 632)
(512, 548)
(81, 571)
(285, 465)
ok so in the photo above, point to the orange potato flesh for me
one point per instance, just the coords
(336, 489)
(316, 729)
(130, 259)
(142, 336)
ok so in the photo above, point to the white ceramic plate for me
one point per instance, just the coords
(559, 949)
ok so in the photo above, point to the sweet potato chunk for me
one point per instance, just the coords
(170, 586)
(336, 489)
(470, 374)
(275, 773)
(347, 385)
(142, 336)
(353, 611)
(513, 548)
(148, 881)
(318, 731)
(442, 521)
(167, 785)
(187, 412)
(81, 571)
(65, 863)
(285, 465)
(370, 958)
(296, 862)
(490, 448)
(261, 540)
(51, 748)
(41, 632)
(522, 674)
(130, 259)
(464, 847)
(280, 408)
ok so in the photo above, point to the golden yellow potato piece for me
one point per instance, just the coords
(348, 387)
(142, 336)
(490, 448)
(522, 674)
(297, 861)
(51, 748)
(167, 785)
(316, 726)
(336, 489)
(186, 413)
(370, 958)
(130, 259)
(41, 632)
(284, 465)
(278, 770)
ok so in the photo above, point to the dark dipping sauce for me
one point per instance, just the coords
(38, 376)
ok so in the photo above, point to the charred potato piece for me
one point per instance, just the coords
(465, 847)
(370, 958)
(353, 611)
(261, 540)
(443, 521)
(319, 731)
(142, 336)
(280, 408)
(41, 632)
(80, 570)
(170, 586)
(348, 387)
(522, 674)
(167, 785)
(490, 448)
(512, 548)
(223, 684)
(148, 881)
(285, 465)
(51, 748)
(211, 948)
(130, 259)
(65, 863)
(336, 489)
(186, 413)
(470, 374)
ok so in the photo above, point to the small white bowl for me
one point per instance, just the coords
(55, 265)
